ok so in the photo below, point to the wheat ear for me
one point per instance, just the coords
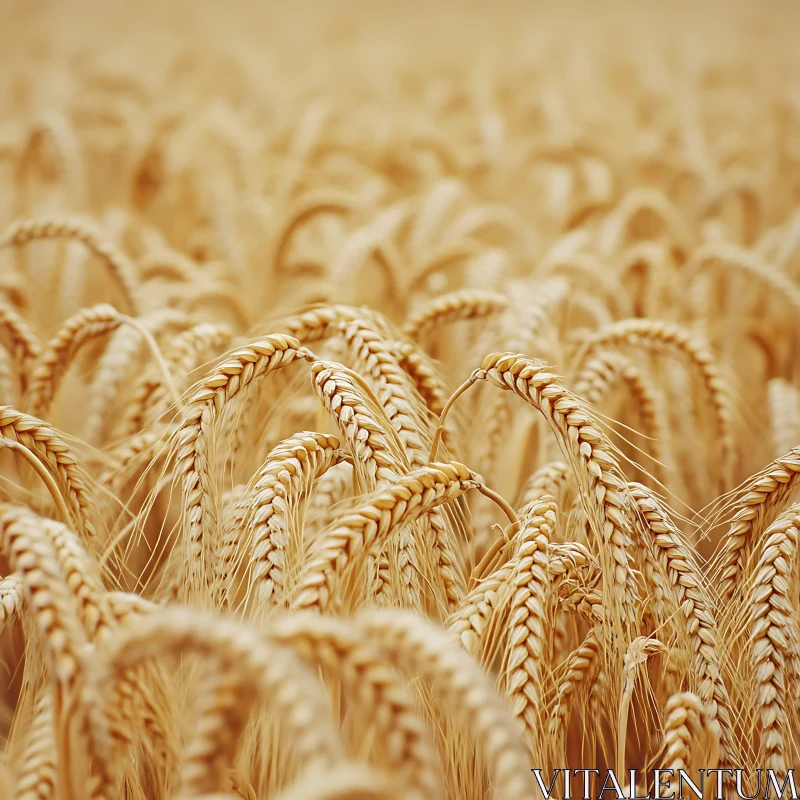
(123, 272)
(333, 487)
(471, 620)
(150, 394)
(374, 358)
(424, 650)
(324, 321)
(770, 609)
(338, 552)
(598, 376)
(461, 305)
(325, 201)
(25, 347)
(653, 334)
(730, 256)
(246, 667)
(344, 651)
(549, 479)
(87, 324)
(679, 562)
(30, 553)
(48, 445)
(116, 362)
(523, 663)
(273, 491)
(636, 201)
(191, 441)
(36, 776)
(55, 126)
(685, 723)
(380, 456)
(601, 482)
(423, 371)
(581, 665)
(762, 496)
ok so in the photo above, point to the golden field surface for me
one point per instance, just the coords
(396, 398)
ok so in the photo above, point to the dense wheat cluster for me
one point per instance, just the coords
(396, 399)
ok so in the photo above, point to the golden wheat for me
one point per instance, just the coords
(371, 575)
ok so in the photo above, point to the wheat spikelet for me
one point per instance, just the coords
(10, 599)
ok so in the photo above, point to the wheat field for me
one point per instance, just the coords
(397, 398)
